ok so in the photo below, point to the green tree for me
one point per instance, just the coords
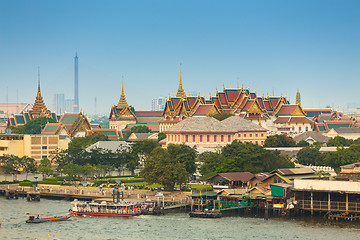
(161, 168)
(61, 158)
(185, 155)
(357, 141)
(209, 162)
(161, 136)
(72, 170)
(11, 164)
(342, 156)
(28, 165)
(33, 126)
(302, 143)
(279, 141)
(240, 157)
(309, 156)
(44, 167)
(339, 141)
(136, 129)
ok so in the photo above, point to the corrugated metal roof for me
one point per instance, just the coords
(235, 176)
(295, 171)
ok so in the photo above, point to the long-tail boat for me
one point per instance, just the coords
(49, 217)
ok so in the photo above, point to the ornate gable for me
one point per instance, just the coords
(298, 111)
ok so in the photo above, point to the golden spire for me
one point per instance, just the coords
(298, 99)
(39, 105)
(180, 92)
(122, 102)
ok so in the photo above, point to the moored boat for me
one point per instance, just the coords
(205, 214)
(120, 209)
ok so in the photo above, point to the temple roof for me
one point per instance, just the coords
(39, 109)
(112, 134)
(180, 93)
(122, 102)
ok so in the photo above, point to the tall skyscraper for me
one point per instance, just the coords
(69, 105)
(76, 94)
(59, 103)
(158, 104)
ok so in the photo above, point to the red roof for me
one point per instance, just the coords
(274, 101)
(286, 109)
(148, 113)
(300, 119)
(191, 101)
(202, 109)
(217, 102)
(248, 105)
(281, 119)
(222, 98)
(175, 101)
(252, 95)
(140, 120)
(267, 106)
(232, 94)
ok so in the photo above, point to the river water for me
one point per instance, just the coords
(168, 226)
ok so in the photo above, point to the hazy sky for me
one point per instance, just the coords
(278, 46)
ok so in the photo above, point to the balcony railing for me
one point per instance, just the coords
(324, 205)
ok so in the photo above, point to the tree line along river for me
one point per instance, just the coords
(168, 226)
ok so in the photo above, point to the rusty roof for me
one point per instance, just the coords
(234, 176)
(295, 171)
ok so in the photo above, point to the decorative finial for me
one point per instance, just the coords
(38, 79)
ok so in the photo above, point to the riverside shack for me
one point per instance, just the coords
(336, 199)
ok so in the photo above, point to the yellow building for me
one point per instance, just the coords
(36, 146)
(207, 132)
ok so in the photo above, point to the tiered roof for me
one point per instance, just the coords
(38, 110)
(122, 111)
(71, 122)
(232, 100)
(291, 113)
(327, 119)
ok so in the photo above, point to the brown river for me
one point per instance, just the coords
(169, 226)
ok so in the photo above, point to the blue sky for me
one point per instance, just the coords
(278, 46)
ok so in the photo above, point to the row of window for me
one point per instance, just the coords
(306, 129)
(202, 138)
(250, 135)
(207, 138)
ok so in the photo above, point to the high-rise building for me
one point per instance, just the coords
(76, 87)
(59, 103)
(69, 105)
(158, 104)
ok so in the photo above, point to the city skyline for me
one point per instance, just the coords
(273, 46)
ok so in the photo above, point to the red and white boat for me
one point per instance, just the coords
(121, 209)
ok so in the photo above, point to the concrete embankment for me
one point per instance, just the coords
(91, 193)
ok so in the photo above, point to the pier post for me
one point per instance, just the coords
(312, 204)
(347, 203)
(266, 217)
(329, 202)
